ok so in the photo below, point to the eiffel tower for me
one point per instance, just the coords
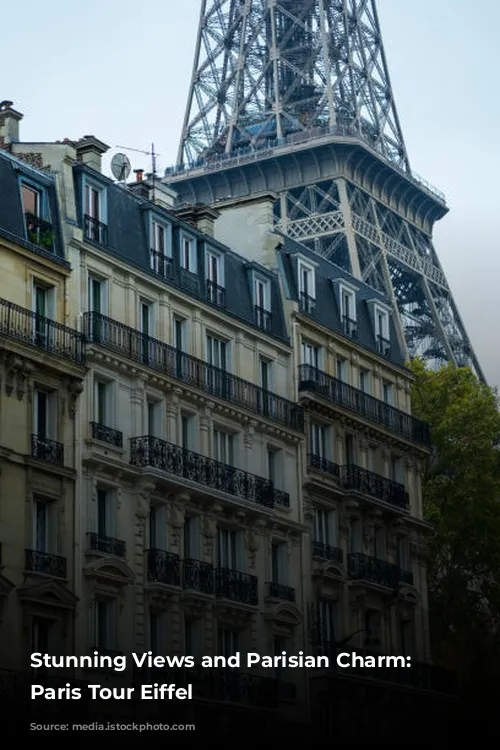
(293, 97)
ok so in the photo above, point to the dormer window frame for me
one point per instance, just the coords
(261, 295)
(381, 316)
(345, 291)
(94, 226)
(38, 228)
(306, 284)
(161, 262)
(215, 281)
(43, 209)
(188, 262)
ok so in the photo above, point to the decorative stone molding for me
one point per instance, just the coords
(144, 493)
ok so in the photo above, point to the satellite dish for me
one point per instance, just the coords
(120, 166)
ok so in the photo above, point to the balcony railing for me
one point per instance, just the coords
(362, 567)
(112, 335)
(307, 304)
(350, 327)
(263, 318)
(107, 434)
(39, 232)
(36, 330)
(106, 544)
(367, 482)
(236, 586)
(327, 552)
(383, 346)
(323, 464)
(282, 498)
(334, 390)
(279, 591)
(47, 450)
(164, 567)
(215, 294)
(189, 281)
(161, 264)
(95, 230)
(421, 676)
(158, 454)
(42, 562)
(198, 575)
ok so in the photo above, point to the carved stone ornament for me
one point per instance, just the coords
(144, 493)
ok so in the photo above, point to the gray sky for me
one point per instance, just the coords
(120, 70)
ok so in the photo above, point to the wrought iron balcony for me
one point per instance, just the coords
(421, 676)
(282, 498)
(130, 343)
(39, 232)
(215, 294)
(158, 454)
(161, 264)
(164, 567)
(350, 327)
(316, 381)
(383, 346)
(198, 575)
(106, 544)
(42, 562)
(323, 464)
(189, 281)
(95, 230)
(36, 330)
(263, 318)
(278, 591)
(307, 304)
(107, 434)
(47, 450)
(327, 552)
(367, 482)
(367, 568)
(236, 586)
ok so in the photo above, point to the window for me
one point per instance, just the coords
(227, 641)
(161, 244)
(103, 405)
(146, 329)
(348, 312)
(93, 202)
(388, 393)
(307, 287)
(223, 447)
(229, 549)
(350, 457)
(192, 638)
(191, 538)
(317, 440)
(328, 614)
(97, 295)
(153, 418)
(325, 527)
(382, 333)
(379, 544)
(265, 371)
(280, 646)
(217, 351)
(32, 200)
(275, 467)
(278, 563)
(104, 623)
(44, 309)
(342, 372)
(157, 632)
(94, 214)
(38, 231)
(311, 354)
(157, 522)
(356, 537)
(188, 253)
(44, 414)
(214, 271)
(403, 554)
(397, 469)
(262, 303)
(187, 431)
(364, 381)
(45, 526)
(105, 513)
(373, 630)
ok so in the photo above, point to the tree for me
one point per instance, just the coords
(461, 492)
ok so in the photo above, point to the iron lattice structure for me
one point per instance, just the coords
(294, 97)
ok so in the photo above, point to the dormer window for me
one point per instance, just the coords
(380, 318)
(262, 302)
(161, 248)
(307, 287)
(94, 212)
(39, 231)
(188, 253)
(345, 294)
(214, 272)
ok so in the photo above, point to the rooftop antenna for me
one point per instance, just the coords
(153, 156)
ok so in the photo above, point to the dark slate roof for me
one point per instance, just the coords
(12, 222)
(326, 310)
(128, 241)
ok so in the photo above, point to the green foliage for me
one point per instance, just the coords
(461, 490)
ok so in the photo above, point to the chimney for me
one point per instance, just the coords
(139, 173)
(201, 216)
(89, 151)
(9, 123)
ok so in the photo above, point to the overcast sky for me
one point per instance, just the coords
(120, 70)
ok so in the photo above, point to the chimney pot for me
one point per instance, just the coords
(139, 173)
